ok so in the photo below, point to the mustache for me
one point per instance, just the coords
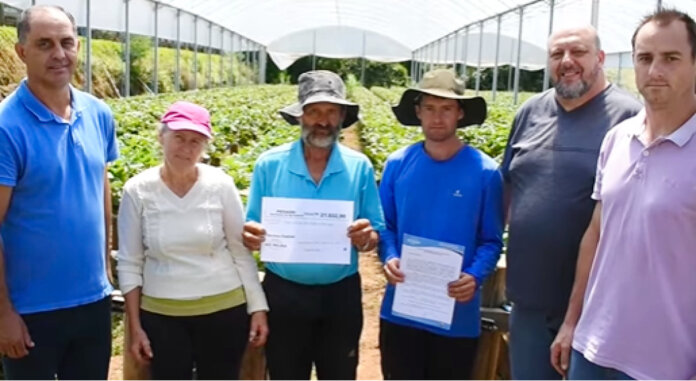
(323, 126)
(656, 83)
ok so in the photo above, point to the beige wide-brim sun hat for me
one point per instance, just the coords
(441, 83)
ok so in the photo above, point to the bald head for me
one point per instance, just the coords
(25, 19)
(576, 64)
(586, 33)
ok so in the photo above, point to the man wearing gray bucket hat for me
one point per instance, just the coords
(449, 194)
(315, 312)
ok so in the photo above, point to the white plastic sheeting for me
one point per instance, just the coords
(410, 23)
(431, 31)
(616, 22)
(194, 27)
(288, 27)
(354, 43)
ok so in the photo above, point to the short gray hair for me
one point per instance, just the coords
(23, 24)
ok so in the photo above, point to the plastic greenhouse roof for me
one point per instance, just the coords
(381, 30)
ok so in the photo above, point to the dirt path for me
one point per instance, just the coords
(373, 288)
(350, 138)
(116, 368)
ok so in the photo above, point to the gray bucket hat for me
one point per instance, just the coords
(445, 84)
(320, 86)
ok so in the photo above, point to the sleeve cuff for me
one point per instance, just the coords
(256, 302)
(127, 282)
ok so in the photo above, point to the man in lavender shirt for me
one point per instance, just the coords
(632, 311)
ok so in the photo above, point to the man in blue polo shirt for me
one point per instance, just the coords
(55, 142)
(315, 311)
(445, 191)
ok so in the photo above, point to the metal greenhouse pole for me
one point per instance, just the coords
(552, 4)
(618, 80)
(222, 55)
(362, 66)
(419, 65)
(595, 13)
(177, 77)
(126, 82)
(249, 59)
(233, 57)
(255, 61)
(156, 53)
(314, 50)
(413, 65)
(88, 50)
(519, 51)
(210, 55)
(247, 56)
(446, 42)
(497, 51)
(480, 51)
(433, 55)
(466, 52)
(439, 45)
(456, 52)
(195, 52)
(512, 54)
(262, 65)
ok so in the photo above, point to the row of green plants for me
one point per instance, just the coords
(245, 121)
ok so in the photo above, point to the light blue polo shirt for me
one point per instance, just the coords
(53, 232)
(349, 176)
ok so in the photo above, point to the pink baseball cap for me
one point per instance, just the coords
(188, 116)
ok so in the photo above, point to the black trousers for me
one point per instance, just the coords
(415, 354)
(72, 343)
(213, 343)
(318, 325)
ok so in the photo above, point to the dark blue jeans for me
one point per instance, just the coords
(531, 334)
(72, 343)
(583, 369)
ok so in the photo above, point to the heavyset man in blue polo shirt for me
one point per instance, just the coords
(444, 190)
(315, 312)
(55, 142)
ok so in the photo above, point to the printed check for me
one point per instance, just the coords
(306, 230)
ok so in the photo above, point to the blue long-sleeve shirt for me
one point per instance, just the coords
(458, 201)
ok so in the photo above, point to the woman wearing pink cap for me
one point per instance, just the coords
(189, 283)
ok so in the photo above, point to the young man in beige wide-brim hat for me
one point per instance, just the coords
(445, 193)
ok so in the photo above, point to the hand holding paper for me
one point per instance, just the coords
(463, 289)
(253, 235)
(428, 267)
(393, 272)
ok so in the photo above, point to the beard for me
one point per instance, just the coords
(576, 90)
(310, 138)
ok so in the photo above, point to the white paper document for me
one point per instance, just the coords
(306, 230)
(428, 267)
